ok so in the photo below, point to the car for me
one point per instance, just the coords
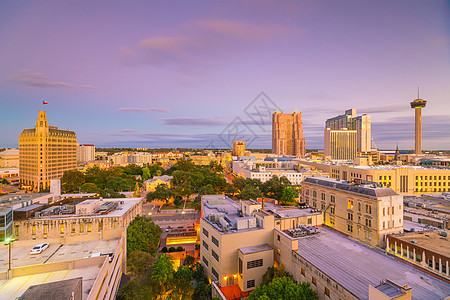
(110, 256)
(38, 249)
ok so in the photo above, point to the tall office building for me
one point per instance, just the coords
(85, 153)
(239, 148)
(340, 144)
(287, 134)
(45, 153)
(351, 121)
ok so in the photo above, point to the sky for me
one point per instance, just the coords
(200, 74)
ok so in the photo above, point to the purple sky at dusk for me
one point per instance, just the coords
(177, 73)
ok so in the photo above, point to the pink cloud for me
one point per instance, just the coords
(41, 80)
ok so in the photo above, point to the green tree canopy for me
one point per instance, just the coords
(139, 262)
(284, 288)
(89, 187)
(288, 195)
(163, 272)
(143, 235)
(162, 192)
(72, 180)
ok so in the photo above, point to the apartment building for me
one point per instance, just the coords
(402, 179)
(365, 212)
(85, 153)
(239, 148)
(46, 152)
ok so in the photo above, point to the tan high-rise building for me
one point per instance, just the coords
(45, 153)
(239, 148)
(340, 144)
(85, 153)
(287, 134)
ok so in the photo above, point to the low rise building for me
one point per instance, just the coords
(429, 250)
(151, 184)
(366, 212)
(402, 179)
(341, 268)
(9, 158)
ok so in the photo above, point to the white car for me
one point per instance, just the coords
(38, 249)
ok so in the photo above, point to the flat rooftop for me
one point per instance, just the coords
(355, 266)
(288, 213)
(255, 249)
(430, 240)
(15, 287)
(363, 189)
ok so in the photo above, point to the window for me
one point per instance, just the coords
(392, 210)
(332, 221)
(89, 227)
(332, 210)
(73, 227)
(430, 263)
(350, 228)
(278, 237)
(81, 227)
(45, 228)
(327, 292)
(368, 235)
(16, 231)
(214, 254)
(369, 209)
(215, 241)
(444, 269)
(359, 206)
(303, 272)
(314, 281)
(62, 228)
(33, 230)
(384, 211)
(214, 272)
(254, 263)
(205, 245)
(100, 226)
(205, 232)
(307, 192)
(323, 196)
(418, 258)
(436, 265)
(384, 225)
(350, 204)
(240, 267)
(251, 283)
(333, 198)
(309, 221)
(368, 223)
(350, 216)
(205, 261)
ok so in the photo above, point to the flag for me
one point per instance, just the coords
(44, 102)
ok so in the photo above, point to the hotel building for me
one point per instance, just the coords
(287, 134)
(340, 144)
(85, 153)
(351, 121)
(239, 148)
(46, 152)
(365, 212)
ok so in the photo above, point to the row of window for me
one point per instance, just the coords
(314, 282)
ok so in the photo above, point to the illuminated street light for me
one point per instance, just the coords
(8, 241)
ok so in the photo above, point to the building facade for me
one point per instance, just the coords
(351, 121)
(364, 212)
(287, 134)
(340, 144)
(9, 158)
(239, 148)
(85, 153)
(46, 152)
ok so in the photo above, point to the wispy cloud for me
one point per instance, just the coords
(144, 109)
(182, 121)
(40, 80)
(201, 39)
(385, 109)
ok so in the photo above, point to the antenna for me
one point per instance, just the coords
(418, 97)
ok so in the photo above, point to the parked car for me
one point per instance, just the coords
(110, 256)
(38, 249)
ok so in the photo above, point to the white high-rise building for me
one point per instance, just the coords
(85, 153)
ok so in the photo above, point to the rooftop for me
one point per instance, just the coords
(355, 266)
(389, 289)
(430, 240)
(255, 249)
(369, 190)
(55, 290)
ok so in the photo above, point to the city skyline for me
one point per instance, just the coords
(151, 75)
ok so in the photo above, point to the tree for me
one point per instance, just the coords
(250, 192)
(182, 283)
(288, 195)
(284, 288)
(120, 184)
(162, 192)
(72, 180)
(163, 272)
(145, 173)
(4, 181)
(203, 289)
(139, 262)
(89, 187)
(189, 260)
(273, 273)
(143, 235)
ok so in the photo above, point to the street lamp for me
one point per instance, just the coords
(183, 212)
(8, 241)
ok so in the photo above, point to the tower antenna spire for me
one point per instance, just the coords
(418, 97)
